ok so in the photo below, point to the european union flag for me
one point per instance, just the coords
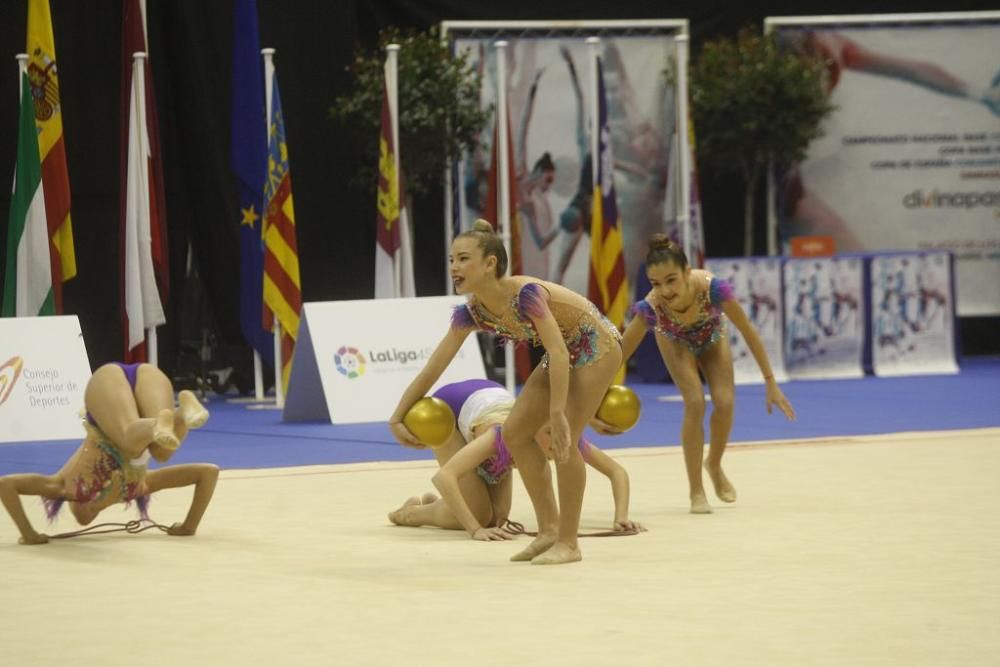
(248, 157)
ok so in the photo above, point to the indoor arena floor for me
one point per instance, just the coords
(862, 550)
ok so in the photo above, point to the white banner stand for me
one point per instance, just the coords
(824, 317)
(354, 359)
(43, 373)
(912, 314)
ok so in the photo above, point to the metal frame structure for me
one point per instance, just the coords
(502, 31)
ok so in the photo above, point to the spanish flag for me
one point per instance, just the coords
(282, 287)
(43, 75)
(607, 286)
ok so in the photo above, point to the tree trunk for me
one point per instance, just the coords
(750, 178)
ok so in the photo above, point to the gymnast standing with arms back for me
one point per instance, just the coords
(685, 308)
(583, 352)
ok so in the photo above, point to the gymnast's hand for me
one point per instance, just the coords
(776, 398)
(492, 534)
(603, 427)
(403, 435)
(180, 530)
(37, 538)
(560, 437)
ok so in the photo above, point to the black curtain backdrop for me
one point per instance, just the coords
(190, 46)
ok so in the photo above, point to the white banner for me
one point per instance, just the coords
(824, 317)
(910, 156)
(43, 373)
(912, 314)
(756, 285)
(354, 359)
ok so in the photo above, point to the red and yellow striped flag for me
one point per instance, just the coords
(608, 285)
(282, 287)
(44, 77)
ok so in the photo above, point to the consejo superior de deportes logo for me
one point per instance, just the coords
(349, 361)
(9, 372)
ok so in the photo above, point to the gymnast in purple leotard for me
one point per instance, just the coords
(685, 308)
(480, 408)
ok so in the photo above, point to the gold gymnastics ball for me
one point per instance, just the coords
(431, 421)
(620, 407)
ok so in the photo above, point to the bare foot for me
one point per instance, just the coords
(428, 498)
(195, 414)
(401, 517)
(539, 545)
(699, 504)
(558, 554)
(724, 489)
(163, 430)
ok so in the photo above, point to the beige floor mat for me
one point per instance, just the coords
(858, 551)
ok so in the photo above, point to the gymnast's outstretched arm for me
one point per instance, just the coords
(12, 487)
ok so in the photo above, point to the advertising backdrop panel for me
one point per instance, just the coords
(910, 156)
(550, 97)
(824, 317)
(912, 314)
(756, 284)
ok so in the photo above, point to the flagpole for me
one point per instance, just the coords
(392, 90)
(279, 389)
(593, 43)
(503, 192)
(684, 144)
(22, 67)
(139, 70)
(449, 209)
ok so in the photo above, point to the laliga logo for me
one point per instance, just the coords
(349, 362)
(9, 372)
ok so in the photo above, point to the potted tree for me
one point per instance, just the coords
(439, 112)
(755, 103)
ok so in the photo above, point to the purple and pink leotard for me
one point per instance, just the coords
(707, 326)
(588, 333)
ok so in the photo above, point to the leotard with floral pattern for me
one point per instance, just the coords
(699, 331)
(588, 333)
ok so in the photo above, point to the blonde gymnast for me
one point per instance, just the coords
(481, 407)
(583, 352)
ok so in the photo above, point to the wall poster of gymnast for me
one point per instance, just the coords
(824, 317)
(912, 314)
(910, 157)
(756, 285)
(549, 99)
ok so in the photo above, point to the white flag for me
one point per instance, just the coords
(143, 309)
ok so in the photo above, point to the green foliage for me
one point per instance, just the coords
(439, 112)
(753, 101)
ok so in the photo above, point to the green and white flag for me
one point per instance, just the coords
(27, 287)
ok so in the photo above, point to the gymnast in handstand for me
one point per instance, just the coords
(130, 418)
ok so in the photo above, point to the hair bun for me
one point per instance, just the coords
(482, 225)
(660, 240)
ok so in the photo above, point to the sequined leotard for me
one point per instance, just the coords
(700, 331)
(104, 477)
(588, 333)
